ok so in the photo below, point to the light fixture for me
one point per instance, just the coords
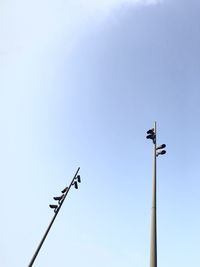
(161, 146)
(76, 184)
(151, 135)
(151, 131)
(53, 206)
(59, 198)
(162, 152)
(78, 178)
(64, 190)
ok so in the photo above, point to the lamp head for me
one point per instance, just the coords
(150, 136)
(53, 206)
(76, 184)
(78, 177)
(161, 146)
(151, 131)
(162, 152)
(58, 198)
(64, 190)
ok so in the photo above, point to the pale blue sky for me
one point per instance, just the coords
(81, 82)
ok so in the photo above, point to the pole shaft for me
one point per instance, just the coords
(51, 223)
(153, 245)
(42, 241)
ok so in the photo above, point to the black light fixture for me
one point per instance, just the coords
(64, 190)
(53, 206)
(78, 178)
(59, 198)
(151, 135)
(76, 184)
(162, 152)
(161, 146)
(150, 131)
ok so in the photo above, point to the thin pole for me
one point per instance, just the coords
(51, 223)
(153, 245)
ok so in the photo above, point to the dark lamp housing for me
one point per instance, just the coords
(150, 136)
(151, 131)
(58, 198)
(161, 147)
(53, 206)
(78, 178)
(76, 184)
(64, 190)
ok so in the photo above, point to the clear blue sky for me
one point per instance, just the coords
(80, 83)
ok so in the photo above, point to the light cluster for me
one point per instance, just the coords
(160, 149)
(151, 135)
(60, 199)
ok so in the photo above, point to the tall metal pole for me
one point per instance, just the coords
(53, 219)
(153, 245)
(151, 134)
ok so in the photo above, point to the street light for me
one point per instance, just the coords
(65, 190)
(59, 198)
(151, 134)
(53, 207)
(56, 209)
(78, 178)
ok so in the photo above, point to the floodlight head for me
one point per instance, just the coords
(151, 131)
(64, 190)
(53, 206)
(76, 184)
(58, 198)
(150, 136)
(161, 146)
(78, 178)
(162, 152)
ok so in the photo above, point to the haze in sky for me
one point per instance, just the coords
(80, 84)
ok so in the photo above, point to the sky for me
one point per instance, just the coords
(80, 84)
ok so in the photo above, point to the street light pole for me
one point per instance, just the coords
(151, 134)
(56, 208)
(153, 246)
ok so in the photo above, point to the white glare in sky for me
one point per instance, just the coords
(107, 4)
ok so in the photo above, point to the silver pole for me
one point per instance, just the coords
(151, 134)
(153, 245)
